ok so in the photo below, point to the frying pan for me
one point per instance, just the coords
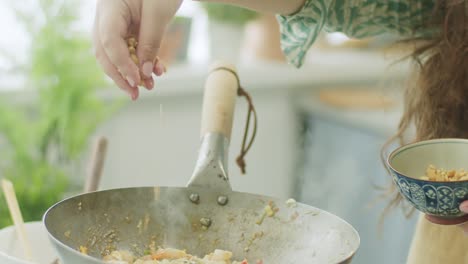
(205, 215)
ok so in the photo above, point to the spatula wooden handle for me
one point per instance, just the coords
(219, 100)
(18, 221)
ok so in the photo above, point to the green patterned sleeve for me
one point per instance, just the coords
(355, 18)
(300, 30)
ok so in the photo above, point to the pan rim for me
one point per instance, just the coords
(352, 230)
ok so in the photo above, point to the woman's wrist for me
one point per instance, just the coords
(281, 7)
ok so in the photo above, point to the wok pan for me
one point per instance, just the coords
(205, 215)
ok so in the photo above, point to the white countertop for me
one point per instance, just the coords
(344, 69)
(327, 69)
(324, 69)
(382, 122)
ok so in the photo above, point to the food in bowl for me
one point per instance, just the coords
(172, 256)
(439, 174)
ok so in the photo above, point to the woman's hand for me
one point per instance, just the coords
(118, 20)
(461, 221)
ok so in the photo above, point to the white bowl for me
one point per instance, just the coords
(11, 251)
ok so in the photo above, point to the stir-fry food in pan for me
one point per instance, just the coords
(173, 256)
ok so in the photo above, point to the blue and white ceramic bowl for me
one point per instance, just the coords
(409, 163)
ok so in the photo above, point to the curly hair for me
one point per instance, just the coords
(436, 102)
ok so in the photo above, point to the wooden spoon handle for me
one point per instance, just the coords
(18, 221)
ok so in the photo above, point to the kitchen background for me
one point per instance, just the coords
(321, 127)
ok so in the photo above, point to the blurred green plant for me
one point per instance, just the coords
(41, 142)
(228, 13)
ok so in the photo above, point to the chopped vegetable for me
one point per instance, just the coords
(291, 203)
(83, 250)
(270, 210)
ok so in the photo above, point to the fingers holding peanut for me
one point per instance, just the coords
(131, 61)
(144, 80)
